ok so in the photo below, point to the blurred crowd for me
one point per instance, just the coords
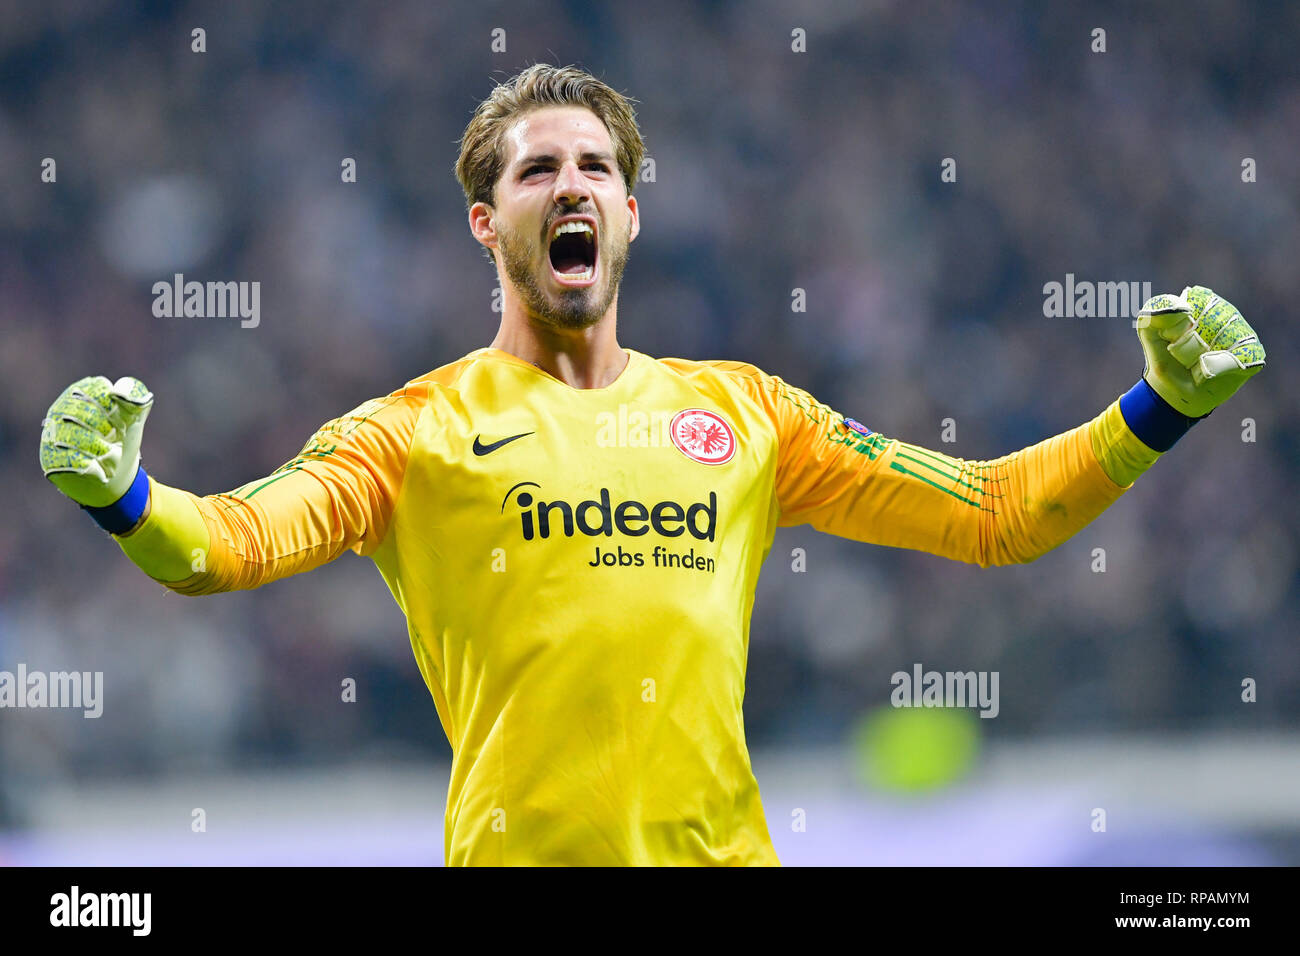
(775, 170)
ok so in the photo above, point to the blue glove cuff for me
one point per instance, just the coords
(1155, 422)
(123, 513)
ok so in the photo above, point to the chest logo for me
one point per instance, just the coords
(703, 436)
(481, 449)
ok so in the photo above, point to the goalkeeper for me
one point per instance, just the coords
(578, 594)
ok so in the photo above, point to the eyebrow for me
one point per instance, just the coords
(541, 158)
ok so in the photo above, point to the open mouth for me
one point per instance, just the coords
(572, 252)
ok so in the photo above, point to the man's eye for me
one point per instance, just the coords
(533, 169)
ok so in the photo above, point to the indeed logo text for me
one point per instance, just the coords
(600, 516)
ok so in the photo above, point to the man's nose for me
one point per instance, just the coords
(570, 185)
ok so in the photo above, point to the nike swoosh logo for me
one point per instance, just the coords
(481, 449)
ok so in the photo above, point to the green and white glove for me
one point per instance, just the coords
(90, 448)
(1199, 350)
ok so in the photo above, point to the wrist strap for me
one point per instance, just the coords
(1155, 422)
(123, 513)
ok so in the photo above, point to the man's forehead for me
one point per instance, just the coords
(551, 128)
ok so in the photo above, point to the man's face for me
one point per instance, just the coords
(560, 172)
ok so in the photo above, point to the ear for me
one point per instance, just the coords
(481, 224)
(635, 212)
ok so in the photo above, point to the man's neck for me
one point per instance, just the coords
(585, 358)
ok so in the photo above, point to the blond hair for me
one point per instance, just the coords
(481, 160)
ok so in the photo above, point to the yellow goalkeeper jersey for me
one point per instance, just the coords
(577, 568)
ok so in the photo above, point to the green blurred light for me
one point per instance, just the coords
(915, 749)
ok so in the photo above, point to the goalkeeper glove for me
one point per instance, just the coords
(1199, 351)
(90, 449)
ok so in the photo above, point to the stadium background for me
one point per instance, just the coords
(774, 170)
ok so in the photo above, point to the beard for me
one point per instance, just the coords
(569, 309)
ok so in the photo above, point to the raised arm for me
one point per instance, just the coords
(843, 478)
(337, 494)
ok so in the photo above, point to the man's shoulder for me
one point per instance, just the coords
(405, 403)
(739, 373)
(444, 376)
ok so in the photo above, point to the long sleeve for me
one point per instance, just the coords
(845, 479)
(337, 494)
